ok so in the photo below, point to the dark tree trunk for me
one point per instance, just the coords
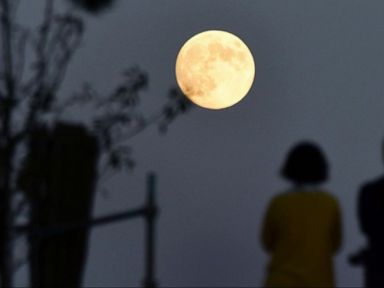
(61, 192)
(5, 222)
(7, 148)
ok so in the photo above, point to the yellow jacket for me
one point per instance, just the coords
(302, 231)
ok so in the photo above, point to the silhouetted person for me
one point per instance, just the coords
(371, 216)
(302, 227)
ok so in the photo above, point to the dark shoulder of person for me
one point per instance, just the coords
(329, 197)
(374, 185)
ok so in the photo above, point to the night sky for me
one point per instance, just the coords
(319, 70)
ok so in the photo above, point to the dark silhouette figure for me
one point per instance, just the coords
(302, 227)
(59, 179)
(370, 216)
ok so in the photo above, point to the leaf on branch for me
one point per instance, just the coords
(120, 158)
(178, 104)
(137, 79)
(72, 24)
(65, 37)
(93, 6)
(127, 94)
(53, 49)
(125, 97)
(21, 37)
(43, 99)
(109, 127)
(86, 95)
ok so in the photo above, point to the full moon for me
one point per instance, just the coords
(215, 69)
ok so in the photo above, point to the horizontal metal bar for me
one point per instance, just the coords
(63, 228)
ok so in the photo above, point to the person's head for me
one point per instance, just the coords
(305, 164)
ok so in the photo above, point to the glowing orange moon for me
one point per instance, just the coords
(215, 69)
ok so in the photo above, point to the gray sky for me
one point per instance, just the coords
(319, 69)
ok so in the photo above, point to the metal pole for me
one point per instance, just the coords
(149, 212)
(150, 217)
(57, 230)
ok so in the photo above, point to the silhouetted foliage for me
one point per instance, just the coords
(118, 115)
(93, 6)
(33, 66)
(178, 104)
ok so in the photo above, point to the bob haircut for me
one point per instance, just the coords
(305, 164)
